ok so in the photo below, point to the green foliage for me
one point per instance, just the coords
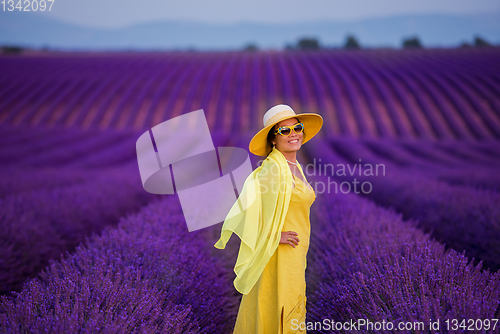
(412, 43)
(250, 47)
(308, 44)
(11, 49)
(351, 42)
(480, 42)
(304, 43)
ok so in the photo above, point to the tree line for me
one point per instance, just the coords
(351, 42)
(304, 43)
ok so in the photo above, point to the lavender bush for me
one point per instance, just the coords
(424, 157)
(373, 265)
(17, 180)
(479, 170)
(437, 94)
(461, 217)
(40, 225)
(147, 275)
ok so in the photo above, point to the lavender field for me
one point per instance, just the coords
(85, 249)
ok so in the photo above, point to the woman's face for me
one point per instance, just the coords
(291, 143)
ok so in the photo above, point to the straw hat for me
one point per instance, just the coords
(312, 124)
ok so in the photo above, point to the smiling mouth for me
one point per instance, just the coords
(293, 141)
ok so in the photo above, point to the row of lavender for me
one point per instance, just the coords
(40, 223)
(66, 147)
(350, 152)
(367, 263)
(456, 163)
(464, 218)
(55, 204)
(150, 275)
(41, 147)
(377, 93)
(43, 152)
(57, 188)
(49, 203)
(372, 267)
(147, 275)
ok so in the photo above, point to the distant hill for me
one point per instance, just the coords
(433, 30)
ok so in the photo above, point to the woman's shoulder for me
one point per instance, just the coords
(266, 162)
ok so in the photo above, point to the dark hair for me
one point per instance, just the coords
(270, 137)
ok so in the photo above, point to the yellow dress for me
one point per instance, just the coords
(277, 302)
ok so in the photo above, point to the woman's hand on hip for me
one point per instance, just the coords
(289, 237)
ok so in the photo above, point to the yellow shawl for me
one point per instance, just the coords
(257, 217)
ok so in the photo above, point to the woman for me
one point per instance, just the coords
(271, 217)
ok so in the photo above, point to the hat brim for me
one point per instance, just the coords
(312, 124)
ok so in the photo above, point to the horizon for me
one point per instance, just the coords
(120, 14)
(377, 29)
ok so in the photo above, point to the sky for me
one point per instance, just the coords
(121, 13)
